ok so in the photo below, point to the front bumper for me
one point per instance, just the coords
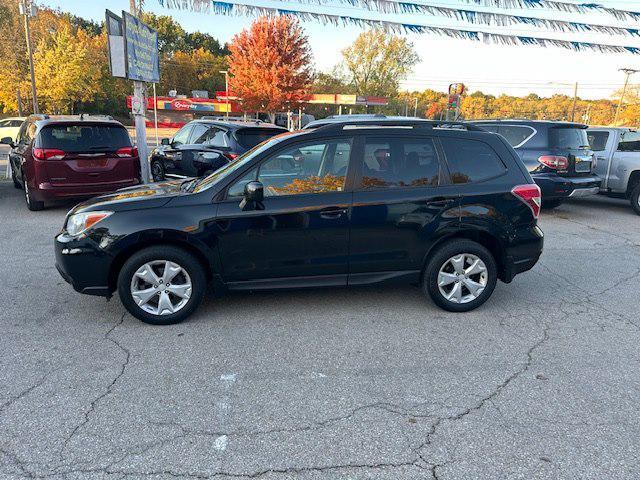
(553, 185)
(83, 265)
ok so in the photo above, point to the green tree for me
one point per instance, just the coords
(377, 61)
(171, 35)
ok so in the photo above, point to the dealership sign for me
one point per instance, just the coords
(133, 48)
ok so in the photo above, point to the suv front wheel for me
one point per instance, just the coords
(161, 285)
(460, 276)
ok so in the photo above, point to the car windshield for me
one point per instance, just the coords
(222, 173)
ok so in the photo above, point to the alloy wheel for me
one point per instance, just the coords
(462, 278)
(161, 287)
(156, 172)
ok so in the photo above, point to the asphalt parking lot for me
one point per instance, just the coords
(542, 382)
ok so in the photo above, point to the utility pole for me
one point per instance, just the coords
(628, 72)
(575, 99)
(226, 89)
(415, 107)
(29, 10)
(140, 117)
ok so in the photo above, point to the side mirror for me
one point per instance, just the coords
(165, 142)
(7, 141)
(253, 197)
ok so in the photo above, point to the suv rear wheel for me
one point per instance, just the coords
(460, 276)
(161, 285)
(32, 204)
(635, 199)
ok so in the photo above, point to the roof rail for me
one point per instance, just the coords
(387, 123)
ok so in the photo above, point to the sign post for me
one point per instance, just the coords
(133, 54)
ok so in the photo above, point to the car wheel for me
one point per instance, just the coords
(550, 204)
(460, 276)
(161, 285)
(157, 171)
(16, 182)
(32, 204)
(635, 199)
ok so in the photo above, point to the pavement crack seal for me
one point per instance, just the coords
(109, 389)
(484, 400)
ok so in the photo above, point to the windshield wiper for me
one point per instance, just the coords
(100, 147)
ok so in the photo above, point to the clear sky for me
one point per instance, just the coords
(493, 69)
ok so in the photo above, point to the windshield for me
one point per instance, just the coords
(229, 168)
(569, 138)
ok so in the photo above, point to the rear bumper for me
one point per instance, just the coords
(48, 191)
(524, 254)
(554, 186)
(83, 265)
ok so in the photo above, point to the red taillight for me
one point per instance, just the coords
(230, 156)
(529, 194)
(554, 161)
(48, 154)
(127, 152)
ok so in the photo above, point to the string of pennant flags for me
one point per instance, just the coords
(473, 17)
(558, 5)
(562, 6)
(480, 18)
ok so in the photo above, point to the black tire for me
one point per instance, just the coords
(162, 253)
(32, 204)
(16, 182)
(551, 204)
(441, 257)
(635, 199)
(157, 171)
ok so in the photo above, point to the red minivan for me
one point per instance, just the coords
(71, 157)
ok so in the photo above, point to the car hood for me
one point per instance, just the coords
(133, 198)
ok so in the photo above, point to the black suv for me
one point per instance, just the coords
(557, 154)
(448, 206)
(203, 146)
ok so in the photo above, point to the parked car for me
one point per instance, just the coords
(9, 127)
(618, 162)
(557, 155)
(452, 209)
(203, 146)
(351, 118)
(71, 157)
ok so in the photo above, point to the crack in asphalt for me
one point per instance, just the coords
(488, 398)
(29, 389)
(109, 389)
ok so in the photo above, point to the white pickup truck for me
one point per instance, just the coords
(617, 153)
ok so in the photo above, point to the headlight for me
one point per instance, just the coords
(78, 223)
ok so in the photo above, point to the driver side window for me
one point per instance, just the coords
(301, 169)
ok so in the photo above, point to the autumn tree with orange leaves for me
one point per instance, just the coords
(270, 64)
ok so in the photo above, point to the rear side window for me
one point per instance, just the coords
(471, 160)
(250, 137)
(516, 135)
(598, 140)
(400, 162)
(84, 138)
(630, 142)
(569, 138)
